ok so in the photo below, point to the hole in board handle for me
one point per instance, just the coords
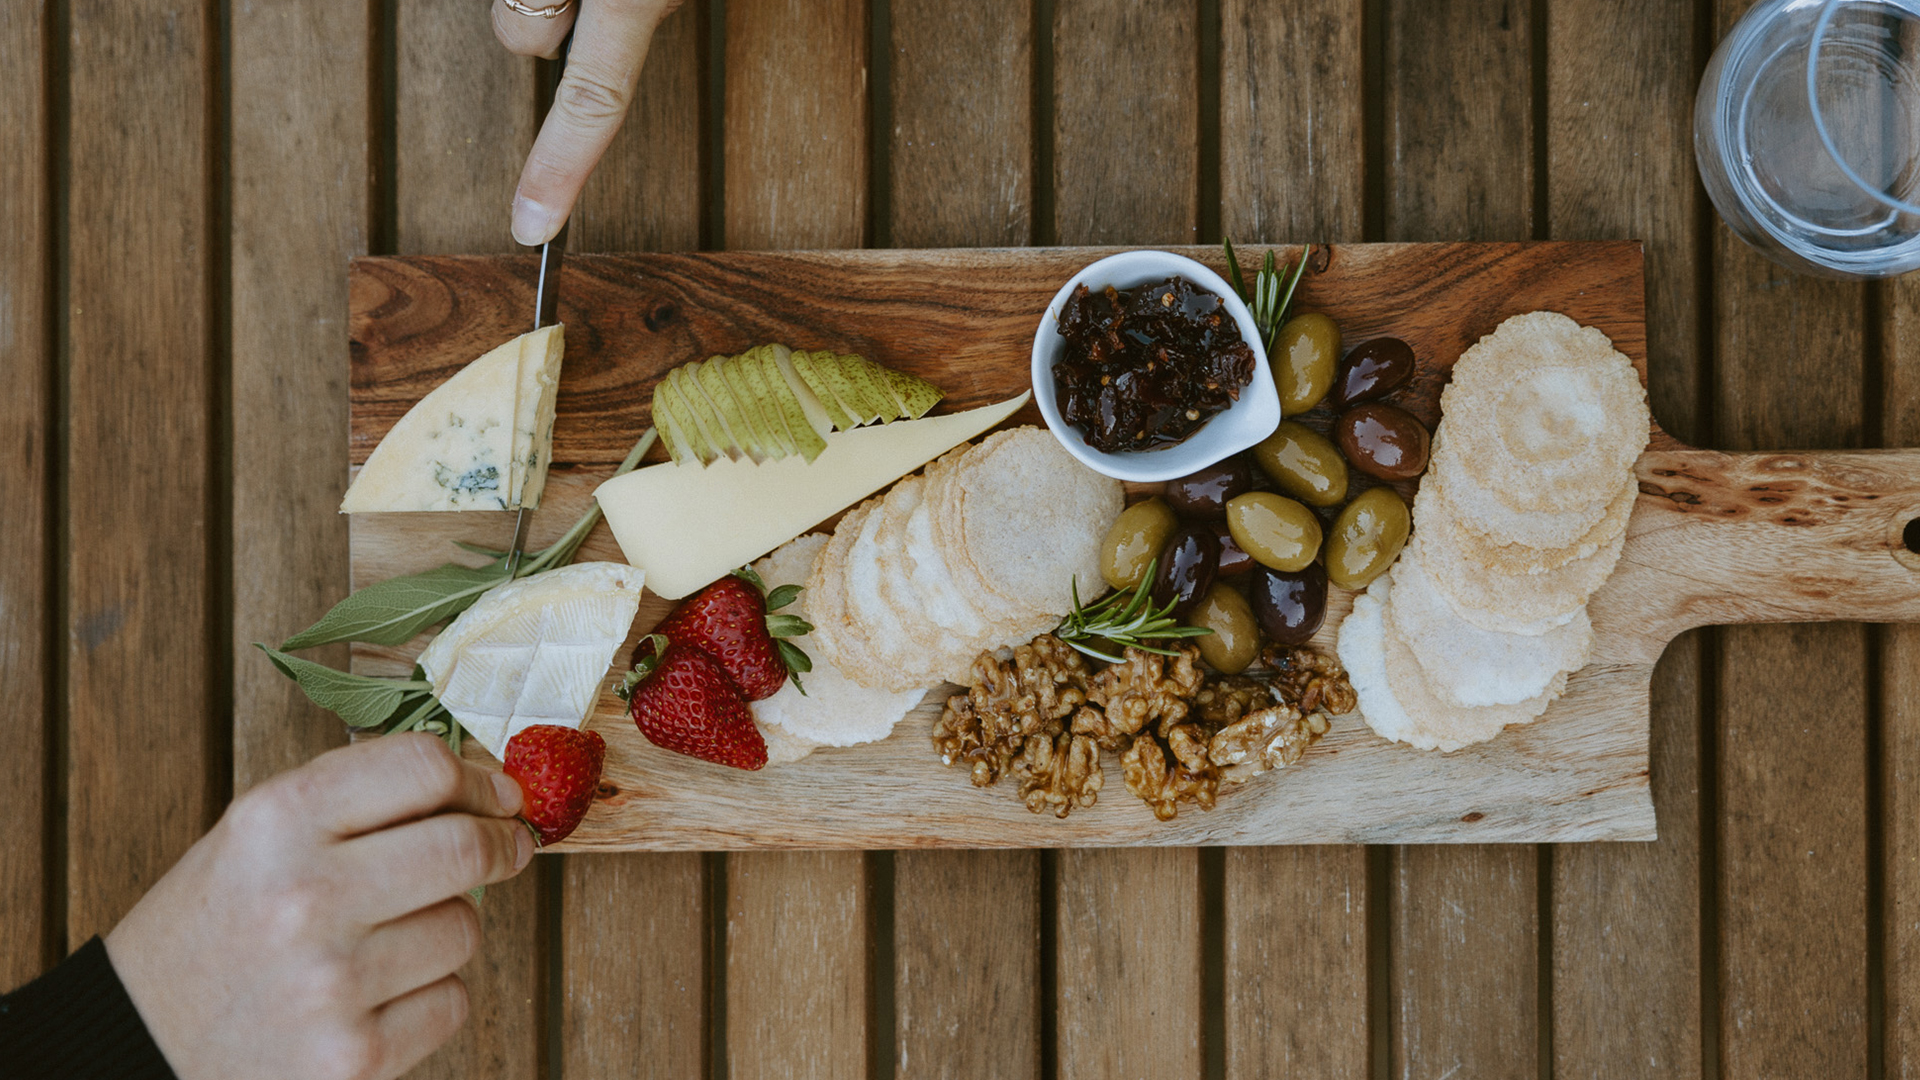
(1912, 536)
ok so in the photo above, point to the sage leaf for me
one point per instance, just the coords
(391, 612)
(361, 700)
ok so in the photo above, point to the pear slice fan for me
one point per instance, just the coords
(771, 402)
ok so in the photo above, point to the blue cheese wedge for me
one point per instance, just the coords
(482, 440)
(533, 651)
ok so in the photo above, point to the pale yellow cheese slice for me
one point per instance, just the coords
(468, 444)
(686, 524)
(540, 354)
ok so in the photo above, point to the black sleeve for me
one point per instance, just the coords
(76, 1022)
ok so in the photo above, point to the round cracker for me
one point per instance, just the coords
(1395, 699)
(1466, 665)
(1513, 603)
(1440, 513)
(942, 498)
(1481, 507)
(872, 621)
(1545, 414)
(1032, 518)
(826, 591)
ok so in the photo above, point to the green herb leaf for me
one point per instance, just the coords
(391, 612)
(361, 700)
(1233, 270)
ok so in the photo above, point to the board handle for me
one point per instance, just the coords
(1720, 538)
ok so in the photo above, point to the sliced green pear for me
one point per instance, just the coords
(915, 395)
(870, 386)
(686, 380)
(829, 381)
(739, 417)
(816, 412)
(820, 384)
(682, 430)
(750, 383)
(787, 405)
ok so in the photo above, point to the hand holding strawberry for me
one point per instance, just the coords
(558, 769)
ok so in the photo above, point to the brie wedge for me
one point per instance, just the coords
(533, 651)
(482, 440)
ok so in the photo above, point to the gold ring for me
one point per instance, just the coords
(539, 13)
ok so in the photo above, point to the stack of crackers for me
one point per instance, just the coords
(1520, 518)
(978, 553)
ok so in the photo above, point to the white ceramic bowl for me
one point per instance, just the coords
(1248, 420)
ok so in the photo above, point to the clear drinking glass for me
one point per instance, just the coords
(1807, 134)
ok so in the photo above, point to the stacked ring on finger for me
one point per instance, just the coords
(553, 12)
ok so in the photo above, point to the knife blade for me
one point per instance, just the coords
(546, 303)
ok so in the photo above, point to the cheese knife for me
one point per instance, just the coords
(546, 304)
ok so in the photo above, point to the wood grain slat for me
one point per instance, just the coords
(1899, 747)
(301, 73)
(1626, 917)
(464, 122)
(1792, 706)
(1126, 161)
(966, 924)
(464, 118)
(1292, 160)
(634, 928)
(1292, 118)
(961, 162)
(796, 176)
(796, 124)
(1463, 972)
(27, 943)
(1126, 122)
(141, 781)
(1127, 995)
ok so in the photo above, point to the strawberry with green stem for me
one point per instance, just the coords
(682, 699)
(730, 620)
(558, 769)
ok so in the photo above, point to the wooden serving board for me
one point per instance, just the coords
(1715, 538)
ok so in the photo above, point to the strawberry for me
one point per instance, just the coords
(558, 769)
(682, 699)
(729, 620)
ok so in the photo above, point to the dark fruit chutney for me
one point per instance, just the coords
(1146, 367)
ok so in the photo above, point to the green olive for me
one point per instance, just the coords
(1305, 356)
(1235, 640)
(1367, 537)
(1304, 464)
(1133, 540)
(1274, 529)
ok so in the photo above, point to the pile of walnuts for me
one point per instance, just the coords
(1179, 730)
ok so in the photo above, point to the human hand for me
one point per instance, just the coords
(603, 67)
(315, 931)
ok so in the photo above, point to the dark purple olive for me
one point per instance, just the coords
(1204, 494)
(1233, 561)
(1187, 566)
(1290, 606)
(1372, 370)
(1383, 441)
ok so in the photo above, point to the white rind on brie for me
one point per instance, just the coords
(533, 651)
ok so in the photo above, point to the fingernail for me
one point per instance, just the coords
(533, 224)
(507, 790)
(522, 848)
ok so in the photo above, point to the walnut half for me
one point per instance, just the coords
(1009, 702)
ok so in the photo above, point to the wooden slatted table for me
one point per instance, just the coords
(187, 178)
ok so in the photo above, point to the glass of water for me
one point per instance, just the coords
(1807, 134)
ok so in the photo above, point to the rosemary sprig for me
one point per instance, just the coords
(1267, 300)
(1127, 619)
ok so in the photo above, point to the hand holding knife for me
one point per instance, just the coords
(546, 307)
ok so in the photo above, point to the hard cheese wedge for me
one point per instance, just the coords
(533, 651)
(479, 441)
(688, 524)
